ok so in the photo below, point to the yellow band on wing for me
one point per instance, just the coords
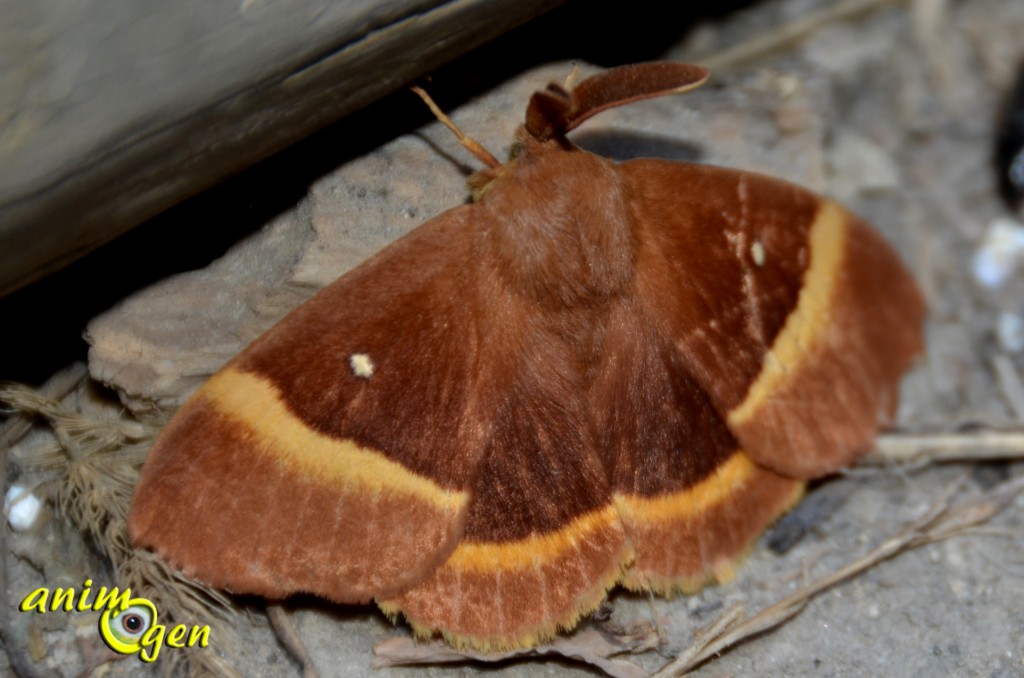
(720, 486)
(257, 404)
(533, 550)
(809, 321)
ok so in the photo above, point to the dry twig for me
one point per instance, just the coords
(290, 638)
(931, 448)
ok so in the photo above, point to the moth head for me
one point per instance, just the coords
(558, 109)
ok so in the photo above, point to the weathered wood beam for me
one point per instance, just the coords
(112, 112)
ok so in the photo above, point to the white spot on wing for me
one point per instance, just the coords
(361, 365)
(757, 253)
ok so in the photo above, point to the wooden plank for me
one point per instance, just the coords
(111, 112)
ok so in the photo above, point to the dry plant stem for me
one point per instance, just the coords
(662, 634)
(290, 638)
(927, 448)
(786, 35)
(940, 522)
(707, 637)
(55, 389)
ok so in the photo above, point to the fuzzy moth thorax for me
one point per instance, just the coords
(560, 229)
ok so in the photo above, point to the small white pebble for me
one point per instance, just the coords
(21, 514)
(361, 365)
(1010, 332)
(873, 611)
(1001, 249)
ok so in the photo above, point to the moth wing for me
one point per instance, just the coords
(690, 499)
(756, 349)
(335, 455)
(543, 541)
(792, 314)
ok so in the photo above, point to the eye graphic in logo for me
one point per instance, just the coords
(123, 630)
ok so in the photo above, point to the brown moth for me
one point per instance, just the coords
(595, 374)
